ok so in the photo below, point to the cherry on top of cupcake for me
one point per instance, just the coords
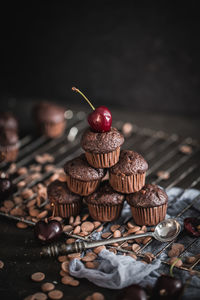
(100, 120)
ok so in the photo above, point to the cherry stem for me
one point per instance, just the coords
(172, 266)
(88, 101)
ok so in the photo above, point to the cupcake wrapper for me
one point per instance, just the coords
(103, 160)
(11, 152)
(127, 184)
(149, 215)
(83, 188)
(104, 213)
(66, 210)
(52, 130)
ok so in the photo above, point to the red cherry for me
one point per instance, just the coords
(47, 232)
(100, 120)
(6, 188)
(134, 291)
(167, 288)
(192, 226)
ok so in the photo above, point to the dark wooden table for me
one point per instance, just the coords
(18, 249)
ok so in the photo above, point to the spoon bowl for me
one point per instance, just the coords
(167, 230)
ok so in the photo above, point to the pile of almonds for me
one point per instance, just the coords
(31, 202)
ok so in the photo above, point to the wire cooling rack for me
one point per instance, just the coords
(177, 157)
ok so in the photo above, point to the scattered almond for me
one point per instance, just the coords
(96, 224)
(105, 235)
(176, 250)
(21, 225)
(74, 255)
(65, 266)
(77, 229)
(113, 228)
(97, 250)
(117, 233)
(66, 279)
(179, 262)
(146, 240)
(47, 287)
(133, 229)
(67, 228)
(62, 258)
(70, 241)
(38, 276)
(90, 256)
(135, 247)
(87, 226)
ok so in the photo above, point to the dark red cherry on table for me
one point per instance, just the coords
(167, 288)
(192, 226)
(100, 120)
(48, 232)
(133, 292)
(6, 188)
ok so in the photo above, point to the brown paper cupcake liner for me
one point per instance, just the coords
(52, 130)
(105, 213)
(103, 160)
(127, 184)
(66, 210)
(10, 152)
(149, 215)
(83, 188)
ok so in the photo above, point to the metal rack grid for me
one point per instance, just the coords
(161, 150)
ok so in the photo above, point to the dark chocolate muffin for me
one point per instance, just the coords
(50, 119)
(149, 205)
(128, 175)
(105, 204)
(9, 144)
(102, 150)
(63, 202)
(82, 179)
(8, 121)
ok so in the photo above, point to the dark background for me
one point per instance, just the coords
(134, 55)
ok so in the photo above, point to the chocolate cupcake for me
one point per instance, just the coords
(82, 179)
(102, 150)
(149, 205)
(105, 204)
(128, 175)
(50, 119)
(8, 121)
(9, 144)
(64, 203)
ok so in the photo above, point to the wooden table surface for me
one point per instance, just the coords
(18, 249)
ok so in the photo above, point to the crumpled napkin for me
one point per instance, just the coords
(114, 271)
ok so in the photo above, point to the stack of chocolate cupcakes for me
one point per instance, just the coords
(125, 171)
(105, 176)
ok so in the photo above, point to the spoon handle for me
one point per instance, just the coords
(94, 244)
(63, 249)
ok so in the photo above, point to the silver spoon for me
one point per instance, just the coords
(165, 231)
